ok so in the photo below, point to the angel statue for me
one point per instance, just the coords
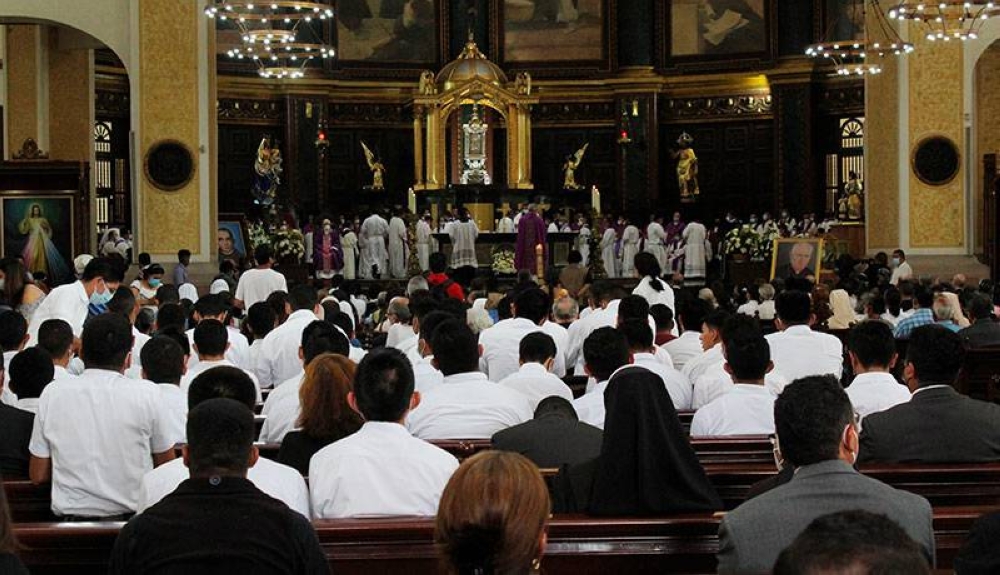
(570, 167)
(375, 165)
(687, 167)
(266, 172)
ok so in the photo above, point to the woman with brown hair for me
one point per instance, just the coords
(492, 517)
(9, 562)
(325, 415)
(17, 290)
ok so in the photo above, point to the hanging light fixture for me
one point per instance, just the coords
(861, 56)
(277, 35)
(948, 20)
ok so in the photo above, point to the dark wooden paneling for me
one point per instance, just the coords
(237, 151)
(349, 171)
(549, 149)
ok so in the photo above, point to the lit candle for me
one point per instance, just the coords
(595, 199)
(540, 263)
(411, 201)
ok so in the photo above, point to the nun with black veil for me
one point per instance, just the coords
(646, 465)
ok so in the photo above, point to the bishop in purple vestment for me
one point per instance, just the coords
(530, 233)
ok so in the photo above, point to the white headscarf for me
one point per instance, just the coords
(843, 313)
(188, 292)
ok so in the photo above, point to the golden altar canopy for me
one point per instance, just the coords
(471, 79)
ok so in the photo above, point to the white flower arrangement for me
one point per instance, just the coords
(288, 244)
(502, 259)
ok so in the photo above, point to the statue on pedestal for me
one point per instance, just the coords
(377, 168)
(266, 172)
(687, 167)
(474, 150)
(854, 190)
(569, 168)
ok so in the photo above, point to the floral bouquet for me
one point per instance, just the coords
(502, 259)
(258, 235)
(288, 245)
(742, 240)
(765, 243)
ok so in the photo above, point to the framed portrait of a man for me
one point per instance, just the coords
(232, 239)
(725, 34)
(800, 258)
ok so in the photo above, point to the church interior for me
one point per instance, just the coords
(853, 129)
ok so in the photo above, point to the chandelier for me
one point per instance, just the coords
(278, 36)
(948, 19)
(861, 56)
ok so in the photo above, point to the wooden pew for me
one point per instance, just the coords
(748, 449)
(577, 545)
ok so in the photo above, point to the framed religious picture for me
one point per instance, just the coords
(41, 229)
(797, 258)
(554, 37)
(844, 19)
(390, 38)
(715, 34)
(233, 239)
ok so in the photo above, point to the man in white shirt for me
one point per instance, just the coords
(257, 284)
(900, 269)
(30, 372)
(640, 341)
(279, 481)
(97, 435)
(56, 337)
(282, 408)
(466, 405)
(534, 380)
(70, 302)
(426, 376)
(211, 340)
(605, 351)
(13, 338)
(380, 470)
(872, 349)
(500, 342)
(124, 303)
(217, 307)
(747, 407)
(711, 342)
(164, 363)
(797, 351)
(279, 359)
(691, 316)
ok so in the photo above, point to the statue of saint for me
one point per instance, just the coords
(375, 165)
(687, 167)
(855, 196)
(266, 172)
(569, 168)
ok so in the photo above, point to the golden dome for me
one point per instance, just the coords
(471, 64)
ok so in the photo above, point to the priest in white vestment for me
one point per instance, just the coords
(397, 247)
(374, 257)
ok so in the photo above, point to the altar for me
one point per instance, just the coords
(487, 204)
(559, 246)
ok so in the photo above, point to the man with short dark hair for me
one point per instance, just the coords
(923, 313)
(211, 342)
(555, 437)
(817, 431)
(691, 313)
(640, 341)
(534, 379)
(279, 481)
(440, 284)
(15, 433)
(575, 275)
(746, 407)
(260, 282)
(217, 307)
(872, 350)
(500, 342)
(852, 542)
(466, 405)
(901, 270)
(124, 425)
(203, 525)
(30, 372)
(796, 349)
(663, 316)
(282, 407)
(56, 337)
(984, 331)
(13, 338)
(125, 303)
(380, 469)
(938, 424)
(71, 302)
(180, 275)
(163, 364)
(279, 353)
(605, 351)
(711, 344)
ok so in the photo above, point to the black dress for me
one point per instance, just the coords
(297, 449)
(646, 465)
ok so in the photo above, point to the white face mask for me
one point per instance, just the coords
(327, 228)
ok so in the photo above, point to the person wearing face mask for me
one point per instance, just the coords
(327, 255)
(818, 433)
(71, 302)
(145, 287)
(900, 269)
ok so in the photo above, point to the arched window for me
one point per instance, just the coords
(850, 157)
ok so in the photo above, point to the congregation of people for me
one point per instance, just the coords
(137, 401)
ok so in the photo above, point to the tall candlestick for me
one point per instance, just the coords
(595, 199)
(411, 200)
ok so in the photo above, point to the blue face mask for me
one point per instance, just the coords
(895, 262)
(101, 298)
(155, 282)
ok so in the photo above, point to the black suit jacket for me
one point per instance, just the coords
(983, 333)
(936, 426)
(15, 433)
(551, 441)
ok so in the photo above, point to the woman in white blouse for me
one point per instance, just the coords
(651, 287)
